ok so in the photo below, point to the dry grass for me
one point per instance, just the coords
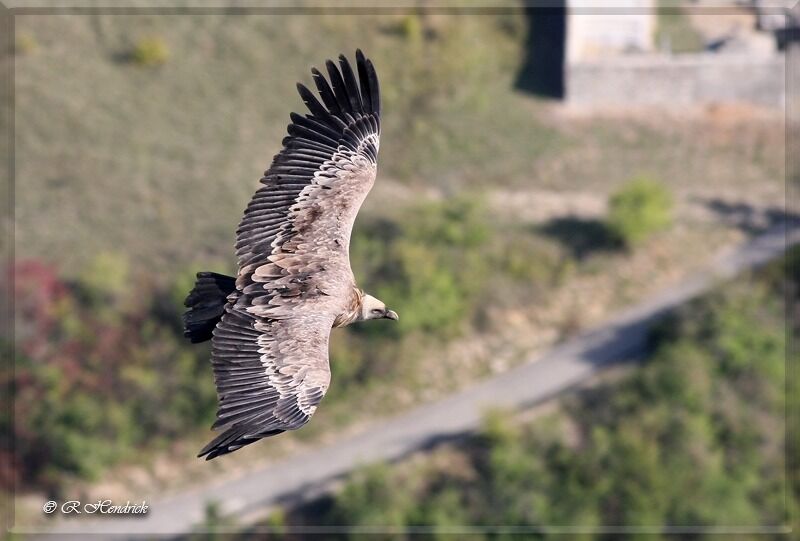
(159, 163)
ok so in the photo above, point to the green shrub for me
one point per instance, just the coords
(639, 209)
(150, 51)
(372, 500)
(531, 260)
(427, 265)
(438, 264)
(498, 427)
(215, 522)
(430, 296)
(276, 523)
(460, 222)
(411, 28)
(107, 277)
(114, 376)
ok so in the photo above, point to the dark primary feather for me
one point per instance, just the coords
(350, 85)
(256, 400)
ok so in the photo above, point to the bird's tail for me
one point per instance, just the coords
(206, 304)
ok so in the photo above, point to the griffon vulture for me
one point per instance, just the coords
(269, 326)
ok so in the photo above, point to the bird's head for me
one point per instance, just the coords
(372, 308)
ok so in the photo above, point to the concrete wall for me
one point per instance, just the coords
(678, 80)
(593, 33)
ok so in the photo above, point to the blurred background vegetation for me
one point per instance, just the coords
(693, 438)
(500, 224)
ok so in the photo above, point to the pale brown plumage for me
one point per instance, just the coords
(270, 347)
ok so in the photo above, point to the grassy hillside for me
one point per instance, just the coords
(155, 158)
(141, 138)
(159, 161)
(695, 438)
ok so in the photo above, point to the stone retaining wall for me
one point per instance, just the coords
(678, 80)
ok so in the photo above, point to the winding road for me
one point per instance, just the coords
(533, 382)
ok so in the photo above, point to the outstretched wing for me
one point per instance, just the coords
(270, 349)
(322, 175)
(270, 375)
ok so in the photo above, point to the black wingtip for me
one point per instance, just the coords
(344, 97)
(221, 445)
(342, 92)
(351, 85)
(234, 439)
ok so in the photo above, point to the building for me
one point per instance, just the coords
(590, 56)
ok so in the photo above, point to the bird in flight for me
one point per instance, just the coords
(269, 326)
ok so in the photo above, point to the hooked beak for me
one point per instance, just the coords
(391, 314)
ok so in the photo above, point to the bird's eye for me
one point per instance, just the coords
(377, 311)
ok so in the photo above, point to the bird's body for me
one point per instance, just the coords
(270, 325)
